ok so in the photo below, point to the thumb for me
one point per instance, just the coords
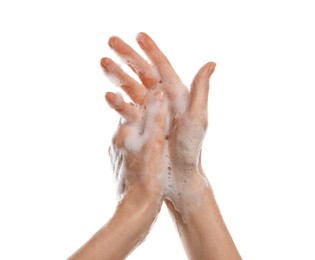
(200, 88)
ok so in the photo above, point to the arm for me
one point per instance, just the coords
(127, 228)
(188, 194)
(136, 155)
(196, 213)
(203, 232)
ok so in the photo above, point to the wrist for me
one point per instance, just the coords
(187, 195)
(138, 199)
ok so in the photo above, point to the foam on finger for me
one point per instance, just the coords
(127, 111)
(121, 79)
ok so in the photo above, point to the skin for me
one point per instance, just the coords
(138, 176)
(191, 203)
(167, 163)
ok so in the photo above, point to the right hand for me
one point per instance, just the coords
(187, 129)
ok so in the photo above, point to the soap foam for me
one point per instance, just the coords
(141, 131)
(177, 183)
(111, 75)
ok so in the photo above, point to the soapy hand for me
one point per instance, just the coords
(138, 145)
(188, 124)
(187, 114)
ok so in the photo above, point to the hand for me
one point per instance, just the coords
(187, 117)
(188, 124)
(136, 152)
(138, 146)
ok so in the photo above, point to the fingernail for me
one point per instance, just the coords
(112, 41)
(140, 38)
(107, 64)
(212, 67)
(109, 97)
(104, 61)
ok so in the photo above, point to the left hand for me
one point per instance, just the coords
(138, 146)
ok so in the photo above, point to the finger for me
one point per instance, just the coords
(162, 64)
(127, 111)
(134, 90)
(199, 89)
(156, 114)
(134, 60)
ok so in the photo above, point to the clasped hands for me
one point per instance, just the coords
(156, 151)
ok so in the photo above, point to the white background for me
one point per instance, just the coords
(56, 186)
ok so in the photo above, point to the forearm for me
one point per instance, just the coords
(203, 231)
(127, 228)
